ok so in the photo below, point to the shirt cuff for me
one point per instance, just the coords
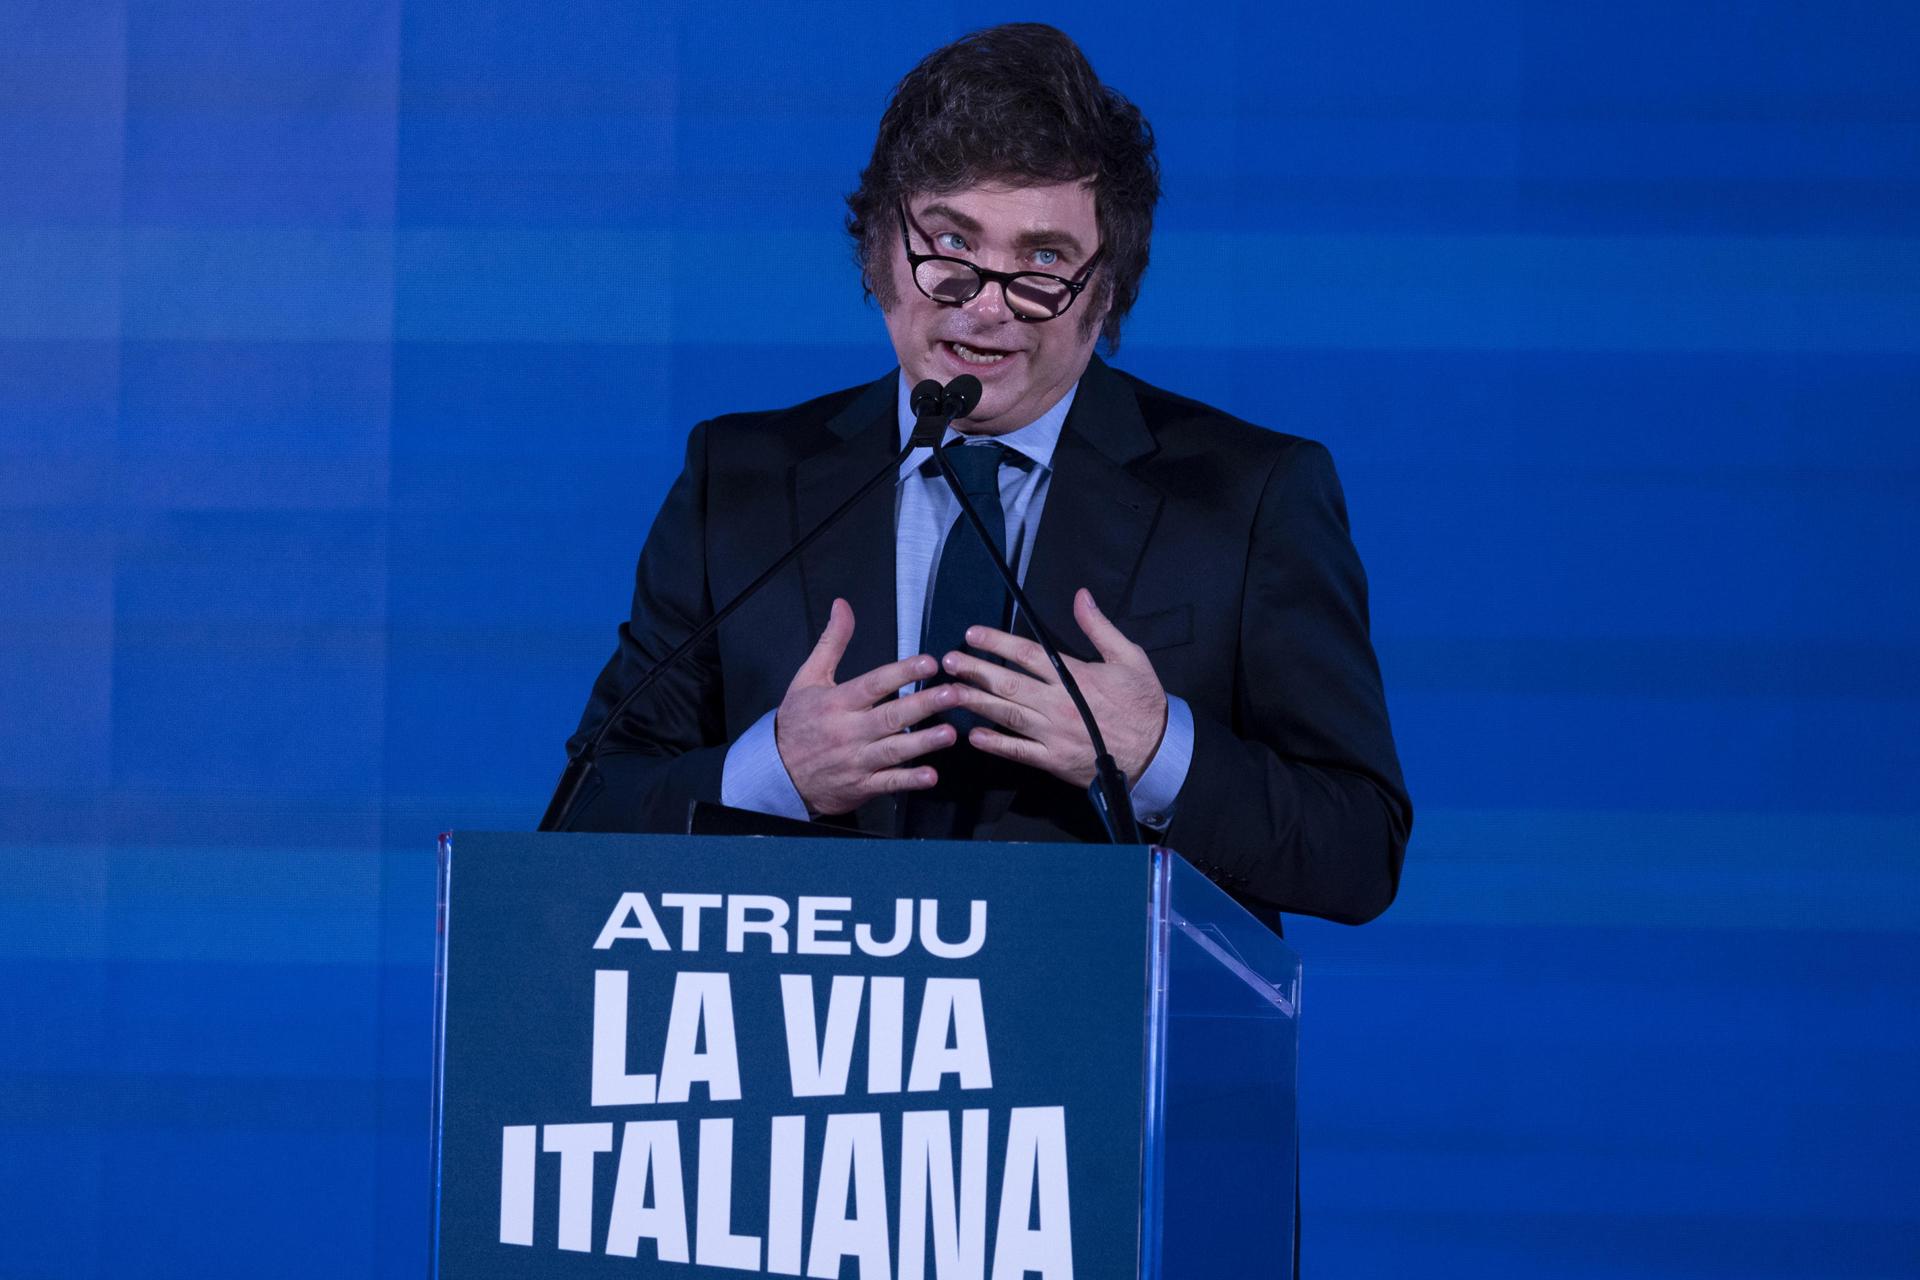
(755, 777)
(1159, 784)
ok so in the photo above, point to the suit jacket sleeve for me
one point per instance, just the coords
(668, 749)
(1297, 800)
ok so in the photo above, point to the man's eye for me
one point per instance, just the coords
(1046, 257)
(950, 241)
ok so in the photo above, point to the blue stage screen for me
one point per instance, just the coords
(347, 349)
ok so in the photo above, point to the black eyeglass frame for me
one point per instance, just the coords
(985, 276)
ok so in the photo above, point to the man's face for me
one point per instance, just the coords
(1024, 368)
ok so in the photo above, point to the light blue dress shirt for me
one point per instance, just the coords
(924, 509)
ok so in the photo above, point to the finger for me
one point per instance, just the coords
(1008, 746)
(892, 717)
(898, 748)
(890, 780)
(1111, 642)
(1008, 715)
(824, 661)
(1003, 681)
(885, 681)
(1022, 653)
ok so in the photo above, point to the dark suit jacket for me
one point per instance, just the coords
(1219, 547)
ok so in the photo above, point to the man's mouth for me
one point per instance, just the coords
(976, 355)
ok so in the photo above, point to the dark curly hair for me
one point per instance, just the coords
(1017, 102)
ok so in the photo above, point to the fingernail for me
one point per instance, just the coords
(973, 635)
(925, 666)
(953, 662)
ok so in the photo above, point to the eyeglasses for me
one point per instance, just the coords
(1032, 296)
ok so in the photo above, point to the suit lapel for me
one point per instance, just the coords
(1092, 531)
(1097, 515)
(855, 559)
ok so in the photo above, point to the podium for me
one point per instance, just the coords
(704, 1056)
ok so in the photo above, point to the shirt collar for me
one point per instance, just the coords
(1036, 440)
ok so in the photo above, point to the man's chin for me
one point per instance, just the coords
(992, 416)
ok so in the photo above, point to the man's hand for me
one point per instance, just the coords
(842, 749)
(1038, 723)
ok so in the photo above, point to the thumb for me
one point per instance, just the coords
(1112, 645)
(824, 661)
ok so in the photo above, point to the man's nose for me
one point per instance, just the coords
(989, 304)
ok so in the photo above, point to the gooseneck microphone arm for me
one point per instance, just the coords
(1108, 790)
(930, 417)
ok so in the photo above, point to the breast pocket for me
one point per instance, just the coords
(1159, 630)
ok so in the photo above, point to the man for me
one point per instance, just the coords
(1197, 569)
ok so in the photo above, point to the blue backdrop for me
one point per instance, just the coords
(347, 348)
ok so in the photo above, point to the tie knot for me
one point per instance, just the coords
(978, 466)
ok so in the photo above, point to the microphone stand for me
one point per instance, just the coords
(930, 421)
(1108, 790)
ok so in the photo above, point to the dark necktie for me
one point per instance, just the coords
(967, 591)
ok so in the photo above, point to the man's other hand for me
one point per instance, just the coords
(841, 743)
(1037, 721)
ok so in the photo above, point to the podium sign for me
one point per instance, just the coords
(685, 1056)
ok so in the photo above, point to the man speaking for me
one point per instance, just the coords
(1197, 570)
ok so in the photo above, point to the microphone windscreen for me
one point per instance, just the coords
(927, 399)
(963, 393)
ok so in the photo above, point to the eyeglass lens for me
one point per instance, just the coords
(1028, 295)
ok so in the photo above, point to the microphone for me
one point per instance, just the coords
(927, 399)
(962, 395)
(1108, 790)
(930, 413)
